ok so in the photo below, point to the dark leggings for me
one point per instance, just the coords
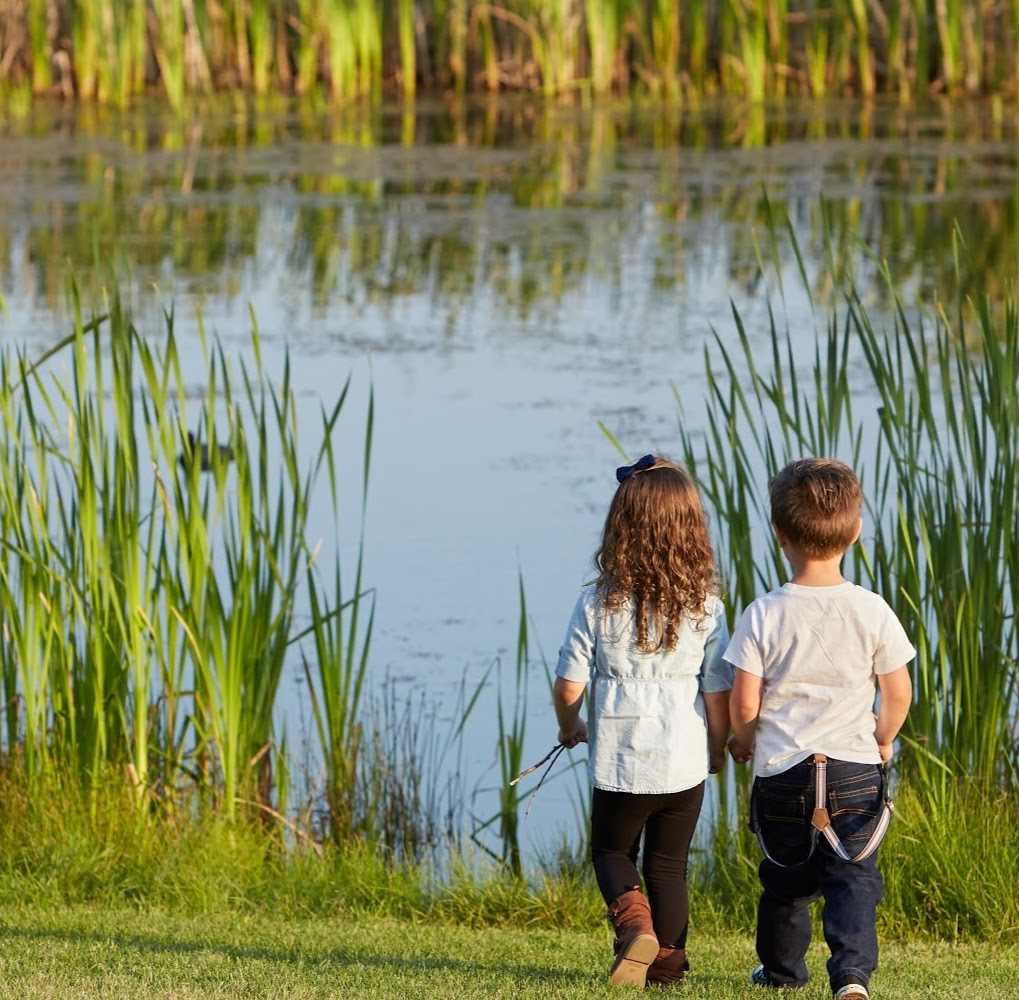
(667, 822)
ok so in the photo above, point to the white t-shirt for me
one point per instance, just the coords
(818, 651)
(646, 725)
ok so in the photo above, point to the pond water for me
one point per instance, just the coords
(505, 277)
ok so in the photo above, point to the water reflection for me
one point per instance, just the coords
(442, 204)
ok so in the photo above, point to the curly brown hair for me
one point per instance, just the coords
(656, 552)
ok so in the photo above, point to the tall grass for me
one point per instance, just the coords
(924, 408)
(152, 581)
(41, 48)
(342, 641)
(511, 727)
(353, 48)
(602, 18)
(408, 48)
(926, 411)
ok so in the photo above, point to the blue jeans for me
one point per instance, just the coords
(851, 890)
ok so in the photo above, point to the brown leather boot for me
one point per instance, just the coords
(668, 968)
(636, 945)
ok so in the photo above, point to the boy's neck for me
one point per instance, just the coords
(809, 572)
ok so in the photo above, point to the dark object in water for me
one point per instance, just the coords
(197, 450)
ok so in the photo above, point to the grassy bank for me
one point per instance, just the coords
(113, 953)
(949, 875)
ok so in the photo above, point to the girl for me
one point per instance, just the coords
(648, 636)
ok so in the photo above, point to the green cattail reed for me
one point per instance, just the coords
(341, 52)
(341, 637)
(559, 22)
(213, 28)
(237, 14)
(922, 56)
(778, 43)
(1014, 55)
(895, 58)
(168, 49)
(728, 31)
(241, 623)
(695, 28)
(817, 54)
(34, 613)
(510, 736)
(752, 31)
(973, 47)
(458, 44)
(603, 39)
(110, 65)
(308, 43)
(260, 31)
(843, 62)
(665, 36)
(864, 63)
(132, 81)
(948, 17)
(86, 36)
(42, 54)
(489, 53)
(408, 48)
(367, 21)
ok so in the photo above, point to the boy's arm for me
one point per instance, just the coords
(567, 697)
(744, 708)
(896, 690)
(716, 710)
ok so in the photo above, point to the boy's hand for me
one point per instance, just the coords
(887, 752)
(740, 753)
(716, 761)
(577, 735)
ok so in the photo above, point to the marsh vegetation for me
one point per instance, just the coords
(115, 50)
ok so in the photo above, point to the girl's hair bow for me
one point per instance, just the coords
(640, 465)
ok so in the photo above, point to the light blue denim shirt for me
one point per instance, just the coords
(646, 726)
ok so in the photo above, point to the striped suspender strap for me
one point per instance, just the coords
(821, 821)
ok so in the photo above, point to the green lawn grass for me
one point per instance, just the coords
(118, 953)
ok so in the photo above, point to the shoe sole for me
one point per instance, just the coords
(630, 967)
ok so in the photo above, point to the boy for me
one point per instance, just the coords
(806, 657)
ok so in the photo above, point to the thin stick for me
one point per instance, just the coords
(555, 756)
(524, 774)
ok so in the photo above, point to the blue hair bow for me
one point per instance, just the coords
(639, 466)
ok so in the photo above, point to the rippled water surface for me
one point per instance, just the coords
(505, 278)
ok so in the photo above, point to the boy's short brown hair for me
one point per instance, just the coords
(816, 504)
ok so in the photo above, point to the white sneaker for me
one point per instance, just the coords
(852, 991)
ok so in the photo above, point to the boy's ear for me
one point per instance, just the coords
(859, 529)
(778, 534)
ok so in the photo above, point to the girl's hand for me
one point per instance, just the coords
(740, 753)
(716, 761)
(578, 734)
